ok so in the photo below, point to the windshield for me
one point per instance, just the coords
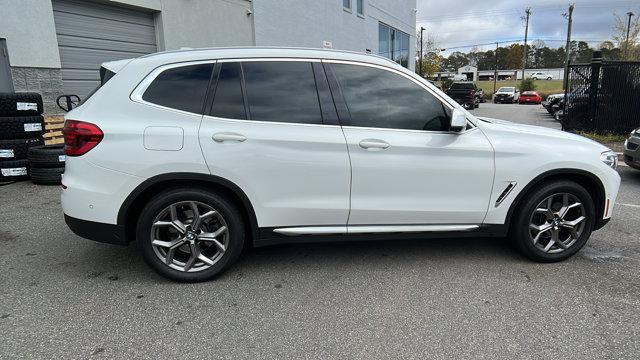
(506, 89)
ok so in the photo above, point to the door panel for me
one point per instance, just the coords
(289, 155)
(293, 174)
(420, 177)
(407, 167)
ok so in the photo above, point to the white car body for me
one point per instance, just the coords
(541, 76)
(300, 179)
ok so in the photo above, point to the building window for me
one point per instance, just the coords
(360, 7)
(393, 44)
(346, 4)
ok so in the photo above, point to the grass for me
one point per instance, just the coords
(543, 87)
(604, 138)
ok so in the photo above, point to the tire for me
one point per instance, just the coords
(47, 176)
(20, 104)
(47, 156)
(495, 101)
(549, 78)
(228, 214)
(21, 127)
(522, 235)
(17, 149)
(534, 78)
(15, 170)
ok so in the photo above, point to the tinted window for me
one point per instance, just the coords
(181, 88)
(382, 99)
(227, 101)
(282, 91)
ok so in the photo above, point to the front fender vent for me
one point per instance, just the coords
(505, 192)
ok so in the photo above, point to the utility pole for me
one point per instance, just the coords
(421, 43)
(495, 71)
(626, 46)
(568, 47)
(526, 33)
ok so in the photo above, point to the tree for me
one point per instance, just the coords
(630, 49)
(431, 58)
(514, 56)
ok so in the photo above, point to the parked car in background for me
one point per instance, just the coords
(552, 100)
(632, 149)
(465, 93)
(506, 94)
(541, 76)
(530, 97)
(460, 77)
(354, 147)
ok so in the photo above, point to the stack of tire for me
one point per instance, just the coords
(46, 164)
(21, 128)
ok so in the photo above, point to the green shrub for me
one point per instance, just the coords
(527, 85)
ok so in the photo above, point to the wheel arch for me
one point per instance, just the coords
(584, 178)
(134, 203)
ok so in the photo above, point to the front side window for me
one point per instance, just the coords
(282, 91)
(181, 88)
(382, 99)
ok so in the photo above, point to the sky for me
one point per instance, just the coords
(457, 24)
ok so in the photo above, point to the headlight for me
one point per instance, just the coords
(610, 158)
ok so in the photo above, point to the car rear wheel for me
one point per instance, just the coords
(553, 222)
(190, 235)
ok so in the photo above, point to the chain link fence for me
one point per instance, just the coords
(603, 97)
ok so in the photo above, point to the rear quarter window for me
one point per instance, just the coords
(182, 88)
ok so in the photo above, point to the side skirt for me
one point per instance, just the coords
(276, 235)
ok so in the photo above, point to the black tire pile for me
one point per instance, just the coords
(21, 130)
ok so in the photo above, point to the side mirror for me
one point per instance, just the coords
(479, 89)
(458, 120)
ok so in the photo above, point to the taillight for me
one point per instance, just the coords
(80, 137)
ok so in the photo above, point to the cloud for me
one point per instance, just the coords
(458, 23)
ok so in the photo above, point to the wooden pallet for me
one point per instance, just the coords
(53, 129)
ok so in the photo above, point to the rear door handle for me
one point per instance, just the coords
(228, 136)
(373, 144)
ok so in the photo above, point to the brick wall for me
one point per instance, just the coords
(47, 82)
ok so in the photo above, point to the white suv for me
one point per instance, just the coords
(196, 154)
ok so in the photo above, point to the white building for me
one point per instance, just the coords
(55, 46)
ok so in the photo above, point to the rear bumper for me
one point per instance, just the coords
(100, 232)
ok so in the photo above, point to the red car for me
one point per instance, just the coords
(530, 97)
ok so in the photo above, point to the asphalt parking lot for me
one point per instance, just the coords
(65, 297)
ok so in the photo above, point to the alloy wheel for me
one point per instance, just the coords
(557, 223)
(189, 236)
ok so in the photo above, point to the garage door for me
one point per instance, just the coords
(90, 34)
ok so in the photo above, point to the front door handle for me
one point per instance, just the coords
(228, 136)
(373, 144)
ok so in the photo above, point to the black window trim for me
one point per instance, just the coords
(343, 110)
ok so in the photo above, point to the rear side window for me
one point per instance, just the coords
(283, 91)
(182, 88)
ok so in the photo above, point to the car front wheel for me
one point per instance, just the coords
(553, 222)
(190, 235)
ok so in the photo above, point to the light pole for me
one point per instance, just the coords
(422, 29)
(526, 33)
(626, 46)
(568, 48)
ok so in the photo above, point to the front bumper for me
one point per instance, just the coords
(500, 98)
(632, 152)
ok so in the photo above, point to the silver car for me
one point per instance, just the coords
(632, 149)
